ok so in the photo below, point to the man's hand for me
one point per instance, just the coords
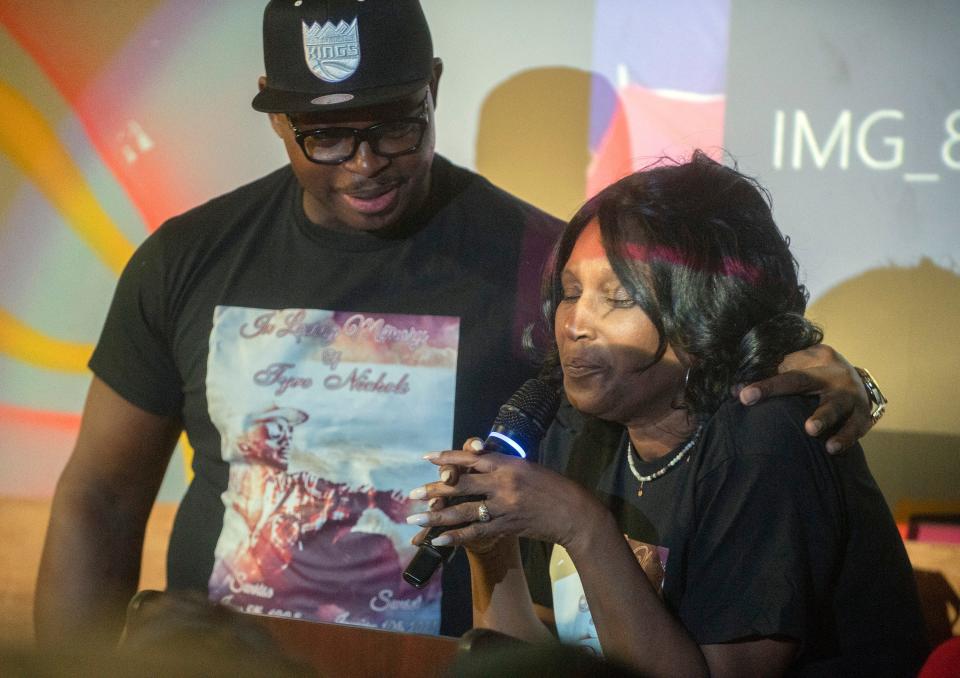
(844, 410)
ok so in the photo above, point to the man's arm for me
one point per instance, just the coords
(91, 558)
(845, 411)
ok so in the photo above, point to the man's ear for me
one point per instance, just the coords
(278, 121)
(434, 81)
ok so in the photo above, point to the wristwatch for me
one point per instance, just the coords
(878, 404)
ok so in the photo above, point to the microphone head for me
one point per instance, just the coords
(522, 421)
(537, 399)
(426, 561)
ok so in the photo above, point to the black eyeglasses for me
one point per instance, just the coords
(336, 145)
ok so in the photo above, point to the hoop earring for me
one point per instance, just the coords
(679, 401)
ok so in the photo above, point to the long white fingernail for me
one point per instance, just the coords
(445, 475)
(418, 493)
(476, 445)
(442, 540)
(418, 519)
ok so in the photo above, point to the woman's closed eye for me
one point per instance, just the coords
(621, 301)
(570, 294)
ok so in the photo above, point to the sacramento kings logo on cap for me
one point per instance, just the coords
(333, 52)
(324, 55)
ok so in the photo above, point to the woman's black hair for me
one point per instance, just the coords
(696, 246)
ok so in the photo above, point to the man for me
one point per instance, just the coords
(370, 292)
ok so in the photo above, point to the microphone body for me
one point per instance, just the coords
(517, 430)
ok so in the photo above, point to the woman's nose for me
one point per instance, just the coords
(578, 321)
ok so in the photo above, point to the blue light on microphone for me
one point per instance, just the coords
(512, 443)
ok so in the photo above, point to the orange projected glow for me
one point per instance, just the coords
(76, 62)
(63, 421)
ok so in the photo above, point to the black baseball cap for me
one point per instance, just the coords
(326, 55)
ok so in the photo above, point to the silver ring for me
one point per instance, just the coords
(483, 513)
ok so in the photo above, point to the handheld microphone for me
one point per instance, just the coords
(517, 430)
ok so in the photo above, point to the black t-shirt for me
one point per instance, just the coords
(759, 532)
(474, 254)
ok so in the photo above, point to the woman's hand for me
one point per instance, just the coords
(522, 499)
(844, 409)
(449, 475)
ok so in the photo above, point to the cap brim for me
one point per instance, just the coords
(270, 100)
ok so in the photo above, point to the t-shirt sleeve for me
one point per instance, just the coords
(769, 530)
(133, 355)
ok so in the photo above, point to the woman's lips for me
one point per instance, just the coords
(581, 368)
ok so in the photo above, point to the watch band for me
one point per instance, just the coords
(878, 403)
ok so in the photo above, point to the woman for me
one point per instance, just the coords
(748, 550)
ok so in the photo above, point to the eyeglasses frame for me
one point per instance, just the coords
(422, 120)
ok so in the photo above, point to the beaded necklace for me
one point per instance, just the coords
(678, 457)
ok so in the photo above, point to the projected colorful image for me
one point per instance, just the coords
(667, 64)
(145, 113)
(105, 134)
